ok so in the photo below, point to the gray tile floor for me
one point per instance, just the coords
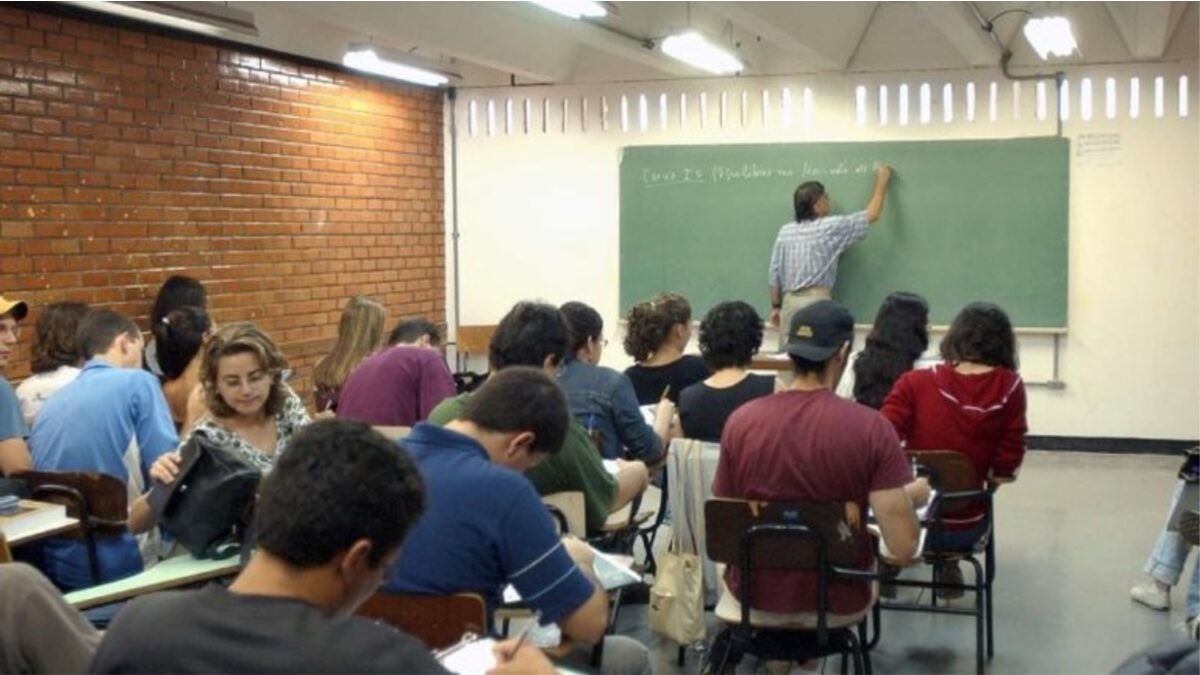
(1073, 534)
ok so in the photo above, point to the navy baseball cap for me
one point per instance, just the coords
(820, 329)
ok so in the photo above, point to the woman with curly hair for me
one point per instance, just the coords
(730, 336)
(972, 403)
(898, 338)
(360, 334)
(656, 334)
(56, 356)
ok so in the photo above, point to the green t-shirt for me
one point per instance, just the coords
(576, 466)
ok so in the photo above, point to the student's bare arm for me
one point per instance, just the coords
(14, 456)
(589, 622)
(897, 522)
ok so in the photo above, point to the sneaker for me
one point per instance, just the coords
(949, 574)
(1149, 594)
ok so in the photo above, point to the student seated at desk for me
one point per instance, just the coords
(39, 631)
(973, 403)
(656, 334)
(603, 399)
(253, 413)
(730, 335)
(484, 525)
(536, 334)
(807, 445)
(110, 418)
(14, 453)
(56, 358)
(330, 522)
(898, 338)
(360, 334)
(177, 291)
(402, 384)
(180, 336)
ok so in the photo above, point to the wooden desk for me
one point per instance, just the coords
(174, 572)
(771, 361)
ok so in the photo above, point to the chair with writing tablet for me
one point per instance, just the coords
(952, 475)
(826, 539)
(437, 620)
(99, 501)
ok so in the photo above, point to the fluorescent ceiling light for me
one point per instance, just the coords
(694, 50)
(365, 58)
(208, 18)
(1050, 36)
(575, 10)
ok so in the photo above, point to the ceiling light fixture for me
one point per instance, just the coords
(574, 10)
(365, 58)
(207, 18)
(1050, 36)
(692, 49)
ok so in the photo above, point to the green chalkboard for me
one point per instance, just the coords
(963, 221)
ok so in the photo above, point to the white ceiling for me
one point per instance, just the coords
(497, 43)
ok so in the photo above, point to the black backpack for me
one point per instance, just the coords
(207, 507)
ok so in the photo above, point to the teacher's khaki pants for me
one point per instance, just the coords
(793, 301)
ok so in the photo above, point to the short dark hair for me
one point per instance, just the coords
(100, 327)
(338, 481)
(411, 330)
(178, 291)
(584, 322)
(521, 398)
(530, 332)
(178, 338)
(803, 366)
(805, 199)
(730, 335)
(983, 334)
(57, 337)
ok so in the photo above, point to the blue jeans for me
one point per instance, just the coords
(1167, 560)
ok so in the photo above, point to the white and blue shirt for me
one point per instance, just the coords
(484, 527)
(806, 254)
(108, 420)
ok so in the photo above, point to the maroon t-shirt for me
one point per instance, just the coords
(397, 387)
(807, 446)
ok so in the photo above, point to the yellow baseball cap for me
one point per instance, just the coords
(17, 308)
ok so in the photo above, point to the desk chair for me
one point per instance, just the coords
(99, 501)
(953, 476)
(828, 539)
(437, 620)
(468, 341)
(393, 433)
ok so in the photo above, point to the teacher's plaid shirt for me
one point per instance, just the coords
(806, 254)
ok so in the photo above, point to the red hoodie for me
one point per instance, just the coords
(981, 416)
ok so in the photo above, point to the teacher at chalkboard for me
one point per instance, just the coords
(804, 261)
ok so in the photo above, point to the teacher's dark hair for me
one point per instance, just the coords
(981, 333)
(805, 200)
(897, 339)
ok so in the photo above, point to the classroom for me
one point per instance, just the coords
(454, 170)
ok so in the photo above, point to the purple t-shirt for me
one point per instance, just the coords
(397, 387)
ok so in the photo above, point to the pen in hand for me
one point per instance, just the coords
(534, 621)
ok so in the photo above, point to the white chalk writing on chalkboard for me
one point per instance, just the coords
(751, 171)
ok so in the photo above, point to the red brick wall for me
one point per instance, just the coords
(127, 156)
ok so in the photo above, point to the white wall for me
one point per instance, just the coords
(538, 215)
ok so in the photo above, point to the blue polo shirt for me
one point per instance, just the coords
(109, 420)
(12, 422)
(484, 527)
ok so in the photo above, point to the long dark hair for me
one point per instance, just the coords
(981, 333)
(56, 343)
(897, 339)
